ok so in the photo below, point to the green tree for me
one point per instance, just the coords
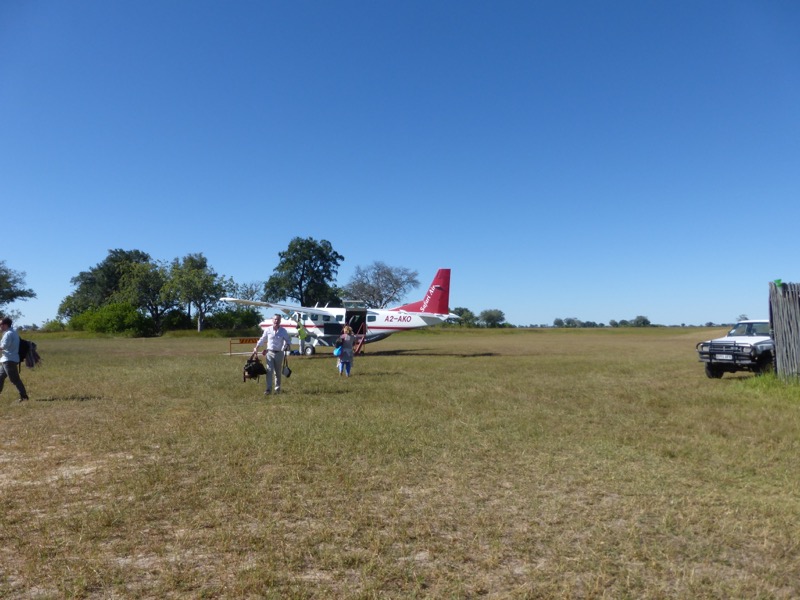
(305, 273)
(12, 286)
(380, 285)
(196, 284)
(147, 286)
(101, 283)
(640, 321)
(492, 317)
(248, 291)
(466, 317)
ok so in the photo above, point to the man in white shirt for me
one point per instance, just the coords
(9, 361)
(276, 341)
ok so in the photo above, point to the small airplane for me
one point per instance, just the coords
(324, 324)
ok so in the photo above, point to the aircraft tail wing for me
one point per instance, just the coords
(437, 298)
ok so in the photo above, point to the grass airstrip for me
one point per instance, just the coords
(452, 464)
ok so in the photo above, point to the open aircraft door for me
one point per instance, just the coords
(356, 316)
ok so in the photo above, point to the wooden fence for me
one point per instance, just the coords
(241, 341)
(784, 314)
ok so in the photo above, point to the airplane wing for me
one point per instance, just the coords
(287, 308)
(245, 302)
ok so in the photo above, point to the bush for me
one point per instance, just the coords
(176, 320)
(234, 318)
(114, 318)
(53, 326)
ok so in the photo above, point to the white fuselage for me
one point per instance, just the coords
(324, 327)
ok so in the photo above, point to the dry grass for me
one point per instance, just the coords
(498, 464)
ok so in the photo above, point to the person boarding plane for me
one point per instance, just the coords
(323, 325)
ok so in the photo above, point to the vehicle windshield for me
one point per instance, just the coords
(749, 329)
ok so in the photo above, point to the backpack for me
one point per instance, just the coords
(28, 353)
(253, 369)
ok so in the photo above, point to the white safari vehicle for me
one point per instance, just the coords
(746, 347)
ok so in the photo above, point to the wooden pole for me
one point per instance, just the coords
(784, 314)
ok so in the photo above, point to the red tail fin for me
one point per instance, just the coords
(437, 298)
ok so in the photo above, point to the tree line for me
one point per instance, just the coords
(491, 317)
(638, 321)
(130, 292)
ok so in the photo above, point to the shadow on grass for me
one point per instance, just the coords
(399, 352)
(424, 353)
(70, 398)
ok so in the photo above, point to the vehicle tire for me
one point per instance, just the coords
(713, 372)
(309, 351)
(765, 366)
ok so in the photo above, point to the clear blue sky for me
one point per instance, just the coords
(596, 160)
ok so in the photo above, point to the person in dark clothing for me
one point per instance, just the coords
(346, 353)
(9, 361)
